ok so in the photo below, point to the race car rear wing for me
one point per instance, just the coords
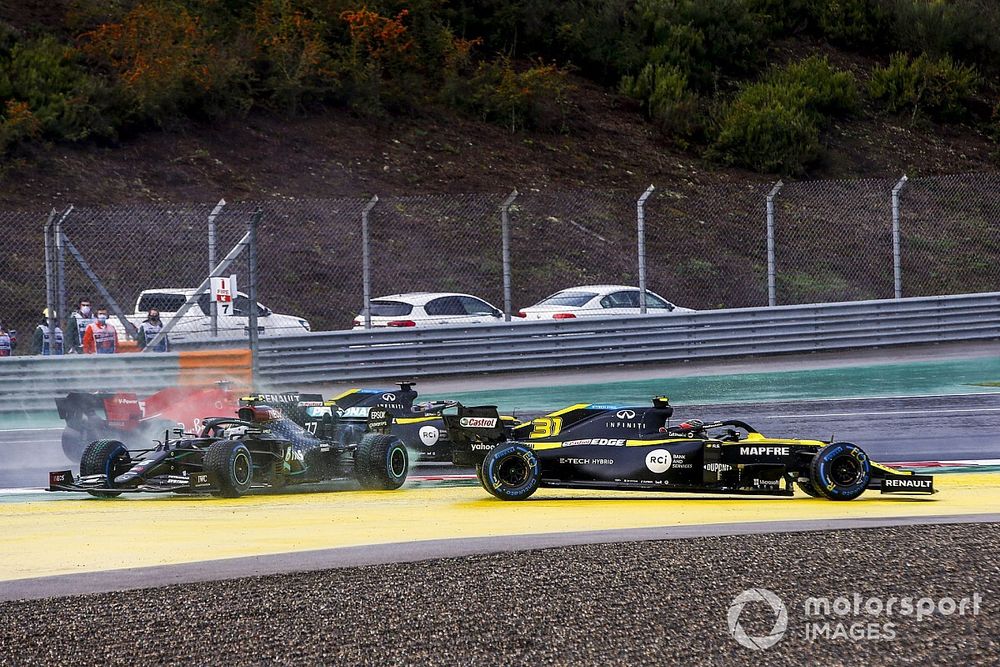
(474, 431)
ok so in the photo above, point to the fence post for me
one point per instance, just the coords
(252, 293)
(772, 289)
(640, 211)
(50, 278)
(366, 261)
(214, 309)
(60, 261)
(897, 266)
(505, 241)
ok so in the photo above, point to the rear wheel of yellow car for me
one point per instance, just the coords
(511, 472)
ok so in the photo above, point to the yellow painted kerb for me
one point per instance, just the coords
(49, 537)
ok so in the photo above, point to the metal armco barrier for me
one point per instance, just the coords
(32, 384)
(392, 354)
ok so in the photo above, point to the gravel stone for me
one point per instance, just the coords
(643, 603)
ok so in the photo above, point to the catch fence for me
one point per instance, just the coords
(320, 261)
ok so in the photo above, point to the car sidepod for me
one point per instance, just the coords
(623, 464)
(426, 437)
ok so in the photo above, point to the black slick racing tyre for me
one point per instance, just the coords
(105, 457)
(479, 476)
(841, 471)
(381, 462)
(229, 465)
(511, 471)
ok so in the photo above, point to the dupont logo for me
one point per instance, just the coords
(625, 414)
(478, 422)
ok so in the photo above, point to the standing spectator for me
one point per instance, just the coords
(8, 341)
(100, 337)
(42, 342)
(148, 330)
(79, 320)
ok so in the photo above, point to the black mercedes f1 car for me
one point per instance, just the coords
(591, 446)
(134, 420)
(261, 447)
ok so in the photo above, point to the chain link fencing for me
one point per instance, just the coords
(705, 246)
(833, 241)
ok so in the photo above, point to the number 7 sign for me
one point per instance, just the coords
(223, 291)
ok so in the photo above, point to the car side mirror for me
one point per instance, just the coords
(497, 313)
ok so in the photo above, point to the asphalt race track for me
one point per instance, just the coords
(440, 573)
(889, 429)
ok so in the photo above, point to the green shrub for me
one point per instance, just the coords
(60, 95)
(596, 36)
(165, 64)
(768, 130)
(853, 22)
(664, 96)
(822, 88)
(497, 92)
(17, 124)
(968, 30)
(782, 17)
(774, 125)
(940, 88)
(292, 59)
(704, 39)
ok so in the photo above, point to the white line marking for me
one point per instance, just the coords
(846, 398)
(890, 412)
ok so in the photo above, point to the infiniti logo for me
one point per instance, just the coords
(625, 414)
(388, 397)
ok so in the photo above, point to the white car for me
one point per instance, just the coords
(196, 324)
(429, 309)
(598, 300)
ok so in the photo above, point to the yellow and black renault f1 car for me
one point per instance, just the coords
(344, 418)
(592, 446)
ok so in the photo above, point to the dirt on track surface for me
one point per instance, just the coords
(637, 603)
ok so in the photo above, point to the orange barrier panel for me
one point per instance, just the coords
(208, 366)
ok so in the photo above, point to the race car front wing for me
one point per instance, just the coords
(196, 482)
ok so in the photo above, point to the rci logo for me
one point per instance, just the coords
(388, 397)
(659, 460)
(780, 618)
(625, 414)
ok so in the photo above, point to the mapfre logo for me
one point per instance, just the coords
(625, 414)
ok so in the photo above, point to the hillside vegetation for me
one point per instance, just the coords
(751, 84)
